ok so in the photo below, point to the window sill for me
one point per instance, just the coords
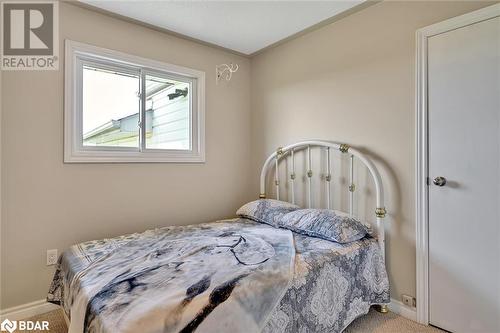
(134, 157)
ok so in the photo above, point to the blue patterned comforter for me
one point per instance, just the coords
(226, 276)
(333, 284)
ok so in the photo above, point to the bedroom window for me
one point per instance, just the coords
(122, 108)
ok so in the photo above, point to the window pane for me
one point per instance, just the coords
(110, 108)
(167, 113)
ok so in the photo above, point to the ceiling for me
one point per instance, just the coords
(242, 26)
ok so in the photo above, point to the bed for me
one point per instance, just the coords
(234, 275)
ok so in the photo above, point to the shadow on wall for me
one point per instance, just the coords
(395, 213)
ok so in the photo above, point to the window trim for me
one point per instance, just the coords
(76, 152)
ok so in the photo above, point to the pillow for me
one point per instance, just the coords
(328, 224)
(266, 210)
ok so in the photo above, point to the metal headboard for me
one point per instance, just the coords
(289, 152)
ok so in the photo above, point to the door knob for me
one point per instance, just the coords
(439, 181)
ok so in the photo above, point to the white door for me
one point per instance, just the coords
(464, 149)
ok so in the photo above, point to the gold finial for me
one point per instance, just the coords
(380, 212)
(344, 147)
(262, 196)
(352, 188)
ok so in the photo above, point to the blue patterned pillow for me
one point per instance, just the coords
(328, 224)
(266, 210)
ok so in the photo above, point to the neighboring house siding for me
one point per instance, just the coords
(170, 128)
(114, 138)
(167, 124)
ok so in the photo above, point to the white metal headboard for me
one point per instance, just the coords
(290, 150)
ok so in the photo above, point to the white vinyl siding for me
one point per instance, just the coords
(170, 123)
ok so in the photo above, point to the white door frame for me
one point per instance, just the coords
(422, 176)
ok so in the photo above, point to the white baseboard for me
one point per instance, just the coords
(27, 310)
(403, 310)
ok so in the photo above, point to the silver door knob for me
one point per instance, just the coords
(439, 181)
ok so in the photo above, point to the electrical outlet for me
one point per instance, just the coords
(409, 301)
(51, 257)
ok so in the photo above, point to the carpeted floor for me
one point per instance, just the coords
(57, 324)
(373, 322)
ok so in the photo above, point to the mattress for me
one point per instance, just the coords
(227, 276)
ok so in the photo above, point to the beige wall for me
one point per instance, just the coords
(48, 204)
(353, 81)
(350, 81)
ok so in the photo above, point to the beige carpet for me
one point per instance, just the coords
(373, 322)
(57, 324)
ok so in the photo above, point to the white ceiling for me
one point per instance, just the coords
(242, 26)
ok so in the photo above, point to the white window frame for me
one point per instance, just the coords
(76, 54)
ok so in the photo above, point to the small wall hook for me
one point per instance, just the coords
(225, 72)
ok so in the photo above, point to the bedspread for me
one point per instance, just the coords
(227, 276)
(208, 277)
(333, 284)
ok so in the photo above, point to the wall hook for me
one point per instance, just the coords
(225, 71)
